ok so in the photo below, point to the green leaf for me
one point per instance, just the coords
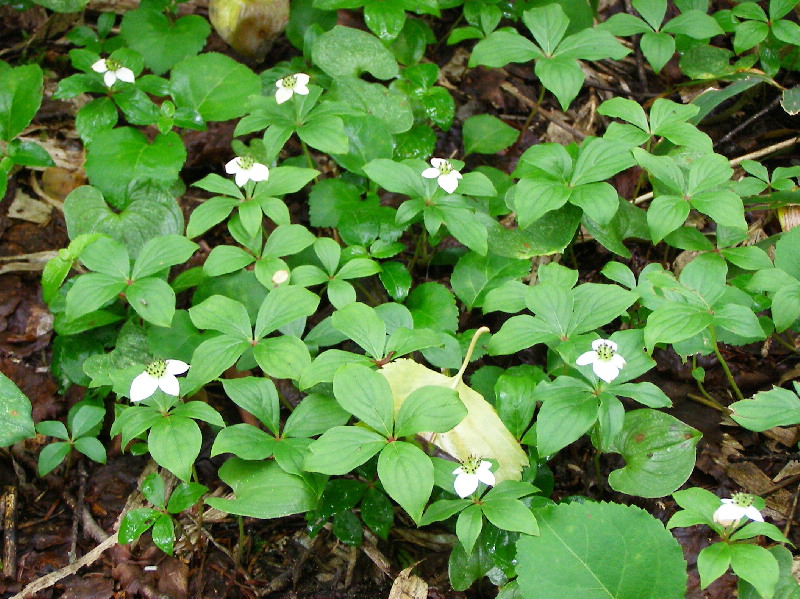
(135, 523)
(344, 51)
(749, 34)
(257, 396)
(343, 448)
(396, 280)
(108, 257)
(407, 476)
(163, 43)
(766, 409)
(245, 441)
(63, 5)
(562, 76)
(645, 393)
(694, 23)
(263, 490)
(28, 153)
(395, 177)
(392, 108)
(486, 134)
(548, 24)
(468, 527)
(284, 305)
(659, 452)
(52, 428)
(314, 415)
(658, 48)
(174, 443)
(153, 299)
(756, 565)
(503, 47)
(365, 394)
(367, 142)
(568, 410)
(162, 252)
(214, 85)
(672, 323)
(713, 562)
(116, 157)
(429, 409)
(90, 292)
(510, 514)
(91, 448)
(377, 512)
(787, 587)
(163, 533)
(475, 275)
(223, 314)
(184, 497)
(20, 98)
(433, 306)
(51, 456)
(639, 558)
(596, 305)
(361, 324)
(284, 357)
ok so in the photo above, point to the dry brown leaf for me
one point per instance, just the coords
(408, 586)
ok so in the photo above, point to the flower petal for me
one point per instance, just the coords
(484, 474)
(124, 74)
(606, 370)
(301, 89)
(242, 177)
(437, 162)
(258, 172)
(283, 94)
(176, 367)
(752, 513)
(590, 357)
(448, 182)
(232, 166)
(143, 386)
(100, 66)
(109, 78)
(618, 361)
(465, 484)
(169, 385)
(430, 173)
(301, 79)
(728, 513)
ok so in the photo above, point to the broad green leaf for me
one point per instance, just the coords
(222, 314)
(344, 51)
(153, 299)
(91, 448)
(20, 98)
(486, 134)
(510, 514)
(257, 396)
(569, 535)
(766, 409)
(475, 275)
(245, 441)
(343, 448)
(161, 42)
(501, 48)
(562, 76)
(569, 409)
(365, 394)
(659, 452)
(658, 48)
(672, 323)
(407, 476)
(214, 85)
(16, 423)
(314, 415)
(283, 305)
(135, 523)
(98, 115)
(433, 306)
(263, 490)
(429, 409)
(468, 526)
(283, 357)
(161, 253)
(756, 565)
(361, 324)
(90, 292)
(596, 305)
(116, 157)
(548, 24)
(174, 443)
(395, 177)
(533, 198)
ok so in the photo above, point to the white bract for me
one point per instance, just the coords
(605, 360)
(280, 277)
(446, 176)
(292, 84)
(733, 510)
(472, 471)
(245, 168)
(158, 375)
(112, 70)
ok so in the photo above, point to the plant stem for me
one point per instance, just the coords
(597, 471)
(724, 364)
(532, 113)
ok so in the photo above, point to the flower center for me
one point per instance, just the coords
(246, 162)
(470, 465)
(156, 369)
(113, 65)
(445, 168)
(289, 81)
(605, 352)
(742, 499)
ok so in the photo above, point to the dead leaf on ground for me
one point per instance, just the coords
(408, 586)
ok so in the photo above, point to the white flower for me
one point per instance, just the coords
(733, 510)
(280, 277)
(446, 176)
(292, 84)
(158, 374)
(605, 362)
(472, 471)
(112, 70)
(246, 169)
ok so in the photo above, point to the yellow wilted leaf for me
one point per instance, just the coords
(481, 434)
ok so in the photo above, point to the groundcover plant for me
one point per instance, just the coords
(416, 277)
